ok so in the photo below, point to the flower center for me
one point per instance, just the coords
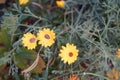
(32, 40)
(70, 54)
(47, 36)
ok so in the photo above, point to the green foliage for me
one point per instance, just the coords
(23, 57)
(4, 40)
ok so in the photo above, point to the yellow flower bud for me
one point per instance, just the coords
(60, 4)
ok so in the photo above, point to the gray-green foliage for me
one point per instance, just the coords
(92, 25)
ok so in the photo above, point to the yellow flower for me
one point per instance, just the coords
(69, 53)
(22, 2)
(29, 40)
(114, 75)
(60, 4)
(118, 53)
(46, 37)
(73, 77)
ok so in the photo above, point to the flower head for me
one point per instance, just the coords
(114, 75)
(118, 53)
(60, 4)
(46, 37)
(69, 53)
(22, 2)
(73, 77)
(29, 40)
